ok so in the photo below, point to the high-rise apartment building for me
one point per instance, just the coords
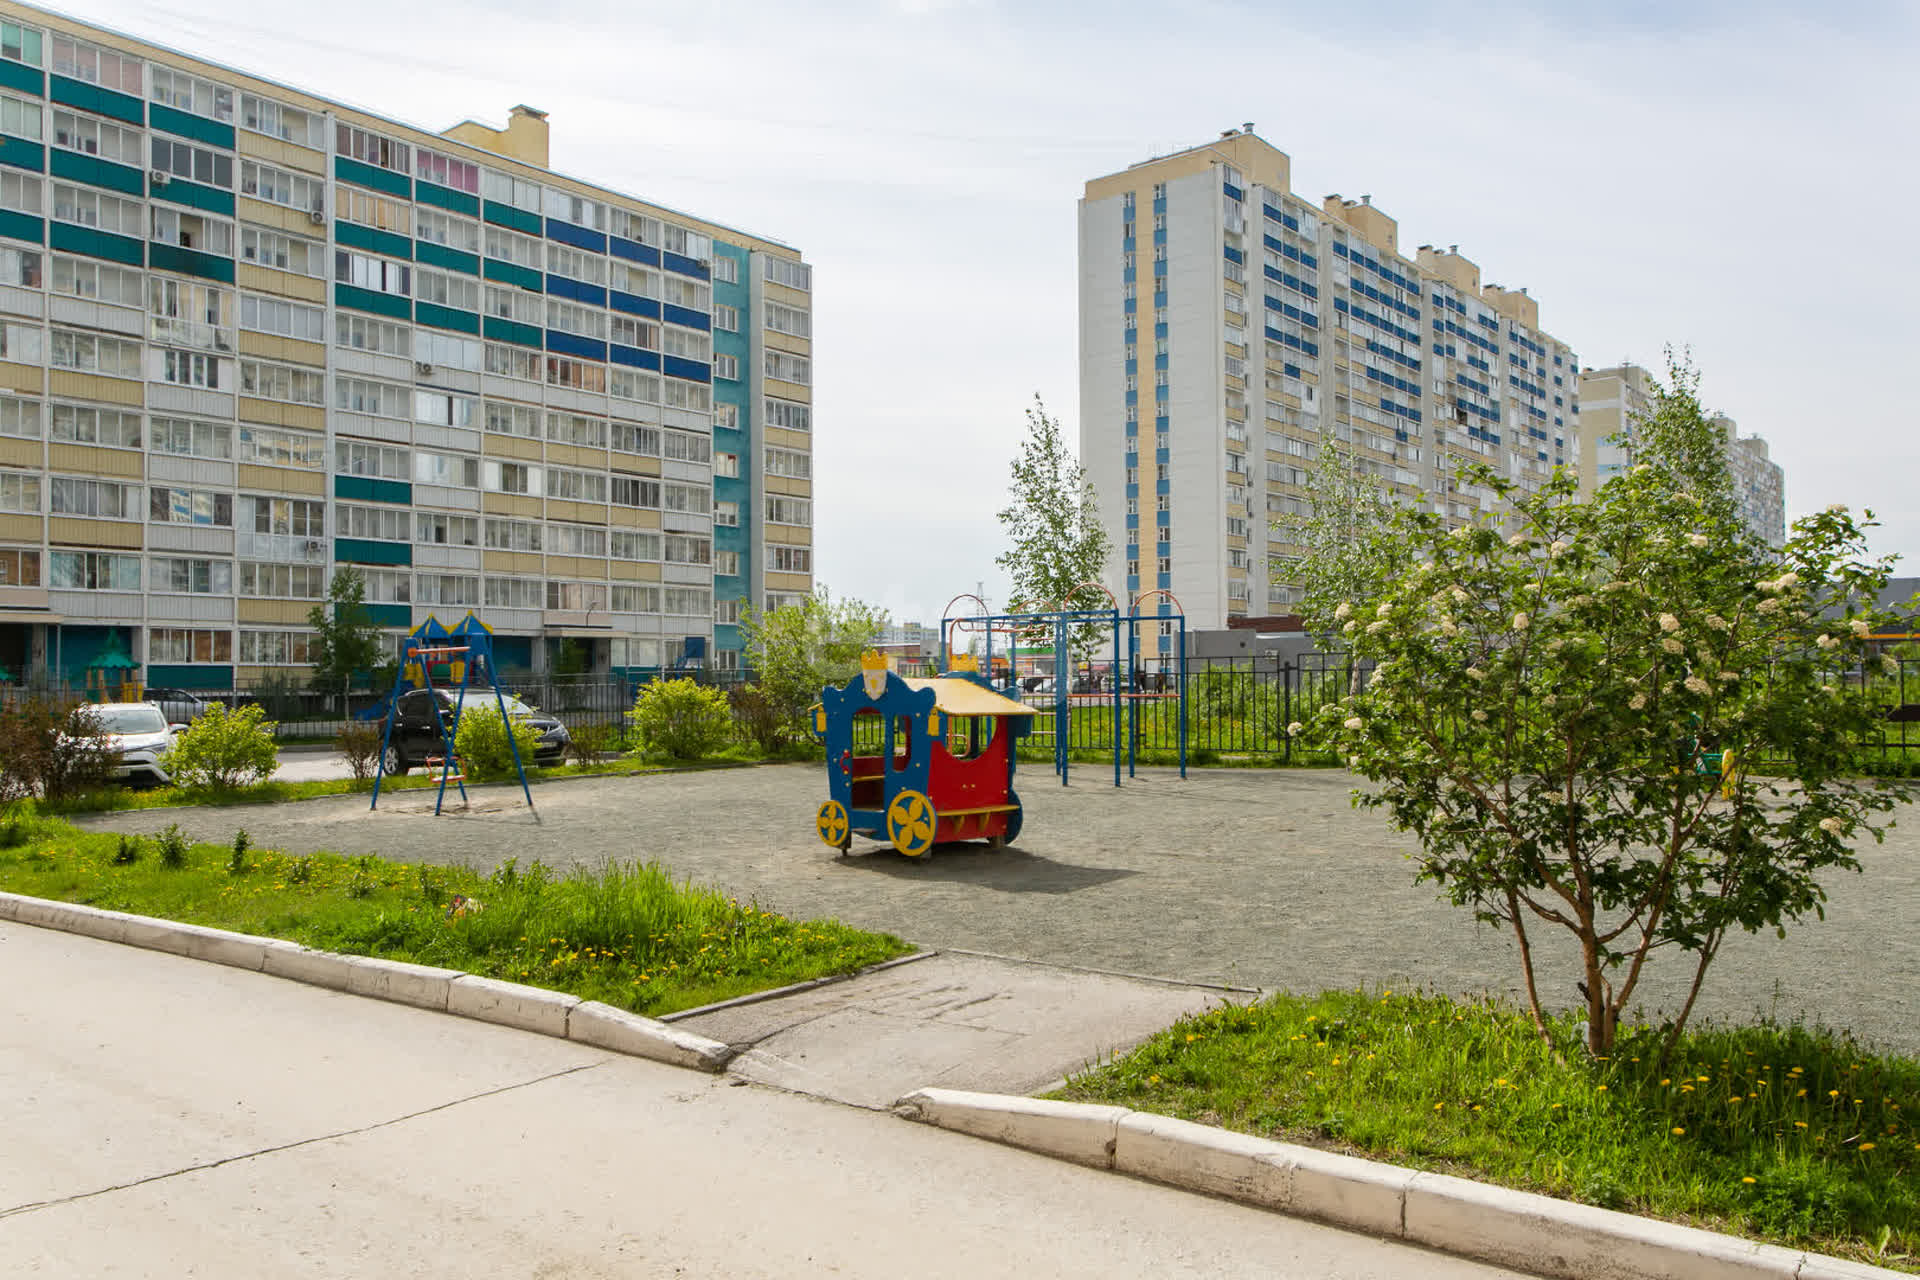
(1612, 398)
(1228, 329)
(249, 335)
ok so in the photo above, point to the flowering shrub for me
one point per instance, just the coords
(1557, 695)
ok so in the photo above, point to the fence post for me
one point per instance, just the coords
(1286, 715)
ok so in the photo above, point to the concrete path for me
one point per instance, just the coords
(170, 1118)
(952, 1020)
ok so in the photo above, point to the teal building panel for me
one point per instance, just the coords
(506, 215)
(372, 239)
(525, 335)
(381, 304)
(97, 244)
(21, 154)
(162, 675)
(25, 79)
(22, 226)
(91, 97)
(367, 489)
(367, 551)
(512, 273)
(97, 172)
(191, 262)
(439, 317)
(447, 198)
(183, 124)
(194, 195)
(372, 177)
(438, 255)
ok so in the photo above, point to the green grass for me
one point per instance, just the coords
(627, 934)
(1796, 1136)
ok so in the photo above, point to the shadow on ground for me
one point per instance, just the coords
(1009, 870)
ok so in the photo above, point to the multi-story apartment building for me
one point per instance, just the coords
(1610, 401)
(249, 335)
(1228, 328)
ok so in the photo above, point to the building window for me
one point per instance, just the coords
(786, 559)
(92, 571)
(785, 271)
(726, 270)
(175, 645)
(276, 648)
(195, 164)
(371, 148)
(726, 318)
(728, 367)
(290, 124)
(726, 515)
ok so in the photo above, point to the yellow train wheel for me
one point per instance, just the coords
(832, 824)
(910, 823)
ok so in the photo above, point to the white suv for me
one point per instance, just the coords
(140, 733)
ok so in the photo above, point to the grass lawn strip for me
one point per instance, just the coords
(1794, 1136)
(627, 934)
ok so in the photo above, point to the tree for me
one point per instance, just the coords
(1056, 540)
(799, 649)
(1554, 687)
(1346, 543)
(346, 639)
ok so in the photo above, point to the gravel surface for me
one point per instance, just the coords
(1255, 878)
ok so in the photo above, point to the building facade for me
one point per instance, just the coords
(249, 336)
(1612, 398)
(1229, 328)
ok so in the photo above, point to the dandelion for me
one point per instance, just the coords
(1669, 623)
(1697, 539)
(1672, 646)
(1521, 622)
(1866, 1146)
(1679, 1131)
(1696, 685)
(1599, 1088)
(1354, 722)
(1749, 1181)
(1438, 1106)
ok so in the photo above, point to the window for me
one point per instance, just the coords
(684, 446)
(513, 535)
(685, 497)
(370, 210)
(686, 548)
(630, 385)
(282, 582)
(291, 124)
(726, 515)
(189, 369)
(363, 395)
(444, 409)
(638, 281)
(687, 395)
(782, 318)
(794, 275)
(95, 137)
(573, 428)
(445, 171)
(176, 575)
(195, 164)
(575, 209)
(692, 602)
(367, 272)
(576, 373)
(21, 193)
(726, 318)
(357, 458)
(174, 505)
(788, 416)
(442, 289)
(639, 600)
(634, 491)
(276, 447)
(276, 648)
(19, 567)
(446, 229)
(628, 438)
(388, 586)
(22, 343)
(634, 544)
(576, 486)
(514, 304)
(727, 415)
(283, 252)
(172, 644)
(19, 44)
(784, 559)
(511, 477)
(577, 540)
(19, 492)
(681, 292)
(382, 524)
(688, 244)
(188, 93)
(504, 189)
(631, 332)
(570, 317)
(577, 596)
(292, 517)
(84, 424)
(789, 462)
(507, 419)
(726, 563)
(788, 367)
(635, 226)
(437, 529)
(513, 362)
(728, 367)
(284, 318)
(726, 465)
(364, 333)
(19, 418)
(91, 208)
(79, 61)
(447, 589)
(189, 314)
(371, 148)
(286, 382)
(784, 510)
(726, 269)
(511, 246)
(100, 498)
(513, 593)
(576, 264)
(88, 353)
(83, 278)
(449, 351)
(92, 571)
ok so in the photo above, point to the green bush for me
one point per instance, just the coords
(225, 748)
(481, 743)
(359, 742)
(588, 742)
(52, 751)
(681, 720)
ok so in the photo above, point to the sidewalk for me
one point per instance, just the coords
(169, 1117)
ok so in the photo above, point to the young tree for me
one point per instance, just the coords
(799, 649)
(1554, 688)
(346, 640)
(1056, 541)
(1346, 543)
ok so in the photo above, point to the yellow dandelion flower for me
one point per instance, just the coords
(1678, 1131)
(1439, 1106)
(1749, 1181)
(1866, 1146)
(1666, 1082)
(1599, 1088)
(1799, 1124)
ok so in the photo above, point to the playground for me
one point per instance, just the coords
(1254, 878)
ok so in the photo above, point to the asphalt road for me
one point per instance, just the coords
(167, 1118)
(1263, 878)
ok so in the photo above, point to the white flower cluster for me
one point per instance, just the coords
(1479, 716)
(1558, 549)
(1697, 539)
(1860, 627)
(1354, 722)
(1718, 623)
(1521, 622)
(1638, 701)
(1344, 612)
(1672, 645)
(1785, 582)
(1669, 623)
(1833, 826)
(1696, 685)
(1826, 641)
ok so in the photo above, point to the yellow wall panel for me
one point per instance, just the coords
(583, 512)
(20, 453)
(91, 386)
(789, 582)
(499, 446)
(279, 217)
(787, 342)
(14, 528)
(73, 531)
(307, 417)
(576, 567)
(284, 283)
(274, 347)
(789, 390)
(83, 460)
(277, 612)
(512, 563)
(510, 504)
(280, 152)
(781, 438)
(633, 518)
(282, 480)
(20, 377)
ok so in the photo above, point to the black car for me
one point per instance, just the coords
(415, 735)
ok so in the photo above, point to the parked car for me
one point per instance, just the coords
(179, 706)
(140, 732)
(415, 735)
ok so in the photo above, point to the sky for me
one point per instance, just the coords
(1728, 178)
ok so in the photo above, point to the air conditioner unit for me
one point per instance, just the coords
(314, 544)
(422, 368)
(318, 217)
(159, 177)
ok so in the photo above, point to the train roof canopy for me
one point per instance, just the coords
(961, 697)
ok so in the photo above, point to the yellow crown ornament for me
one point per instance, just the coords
(873, 673)
(965, 662)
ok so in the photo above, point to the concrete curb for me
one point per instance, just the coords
(510, 1004)
(1532, 1233)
